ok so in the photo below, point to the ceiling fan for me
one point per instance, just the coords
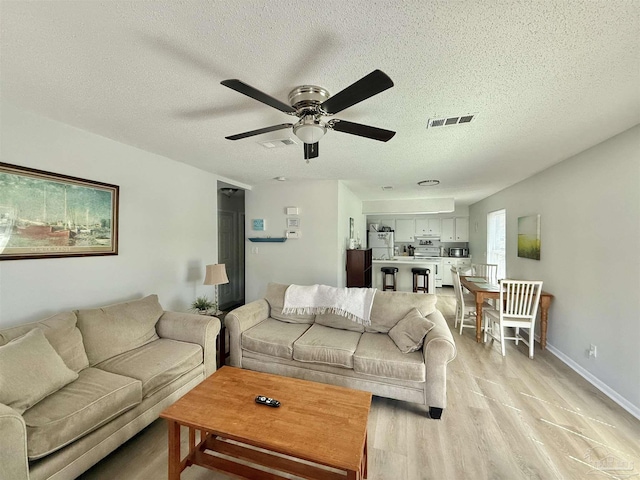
(310, 103)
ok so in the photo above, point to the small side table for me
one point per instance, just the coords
(221, 342)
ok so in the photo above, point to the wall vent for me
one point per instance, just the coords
(450, 121)
(281, 142)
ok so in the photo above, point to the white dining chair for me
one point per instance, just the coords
(465, 304)
(486, 270)
(517, 308)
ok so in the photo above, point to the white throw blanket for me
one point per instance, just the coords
(353, 303)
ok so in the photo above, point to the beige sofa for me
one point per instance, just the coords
(332, 349)
(112, 371)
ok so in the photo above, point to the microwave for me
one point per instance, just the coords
(458, 252)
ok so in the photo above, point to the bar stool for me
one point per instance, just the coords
(389, 271)
(417, 273)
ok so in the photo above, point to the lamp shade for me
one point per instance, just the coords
(215, 275)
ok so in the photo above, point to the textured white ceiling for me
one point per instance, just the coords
(548, 79)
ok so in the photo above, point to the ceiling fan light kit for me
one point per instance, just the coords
(309, 130)
(309, 103)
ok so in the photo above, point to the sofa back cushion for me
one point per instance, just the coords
(275, 299)
(115, 329)
(391, 307)
(30, 370)
(338, 321)
(62, 332)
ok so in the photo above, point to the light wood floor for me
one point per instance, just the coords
(507, 418)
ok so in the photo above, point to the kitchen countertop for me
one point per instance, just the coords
(413, 260)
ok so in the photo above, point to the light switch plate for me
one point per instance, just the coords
(294, 234)
(292, 210)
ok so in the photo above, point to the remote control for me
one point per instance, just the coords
(270, 402)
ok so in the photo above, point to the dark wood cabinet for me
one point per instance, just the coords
(359, 268)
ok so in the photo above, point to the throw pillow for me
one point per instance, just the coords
(30, 370)
(62, 333)
(408, 334)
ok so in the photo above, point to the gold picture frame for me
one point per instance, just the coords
(49, 215)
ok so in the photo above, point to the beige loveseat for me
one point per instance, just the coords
(77, 385)
(332, 349)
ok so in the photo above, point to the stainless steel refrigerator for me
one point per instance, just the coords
(381, 245)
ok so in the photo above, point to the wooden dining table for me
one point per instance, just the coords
(483, 291)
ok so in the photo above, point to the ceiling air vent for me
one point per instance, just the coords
(450, 121)
(282, 142)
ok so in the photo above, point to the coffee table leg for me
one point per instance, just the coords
(365, 458)
(174, 450)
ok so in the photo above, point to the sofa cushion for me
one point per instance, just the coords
(77, 409)
(408, 334)
(156, 364)
(275, 298)
(62, 333)
(273, 337)
(338, 321)
(115, 329)
(328, 345)
(390, 307)
(30, 369)
(378, 355)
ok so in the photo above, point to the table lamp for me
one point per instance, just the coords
(216, 275)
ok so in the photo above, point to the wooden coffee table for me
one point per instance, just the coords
(318, 423)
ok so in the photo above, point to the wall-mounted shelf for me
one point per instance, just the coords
(268, 239)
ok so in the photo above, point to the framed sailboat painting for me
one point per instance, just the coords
(45, 215)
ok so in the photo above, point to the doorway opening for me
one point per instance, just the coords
(231, 244)
(497, 240)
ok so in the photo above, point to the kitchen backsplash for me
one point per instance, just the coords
(434, 243)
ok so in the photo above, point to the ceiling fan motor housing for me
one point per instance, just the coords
(307, 97)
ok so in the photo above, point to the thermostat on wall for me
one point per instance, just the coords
(258, 224)
(292, 211)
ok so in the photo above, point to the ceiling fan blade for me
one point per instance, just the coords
(310, 150)
(272, 128)
(361, 130)
(249, 91)
(374, 83)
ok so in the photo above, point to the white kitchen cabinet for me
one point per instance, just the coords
(455, 229)
(405, 230)
(447, 232)
(462, 229)
(428, 226)
(448, 264)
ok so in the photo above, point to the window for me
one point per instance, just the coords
(496, 241)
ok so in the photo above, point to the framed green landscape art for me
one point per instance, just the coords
(529, 237)
(44, 215)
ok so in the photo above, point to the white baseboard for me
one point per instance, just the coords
(596, 382)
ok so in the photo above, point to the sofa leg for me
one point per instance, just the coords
(435, 412)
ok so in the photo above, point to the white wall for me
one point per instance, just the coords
(168, 224)
(308, 260)
(349, 206)
(590, 257)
